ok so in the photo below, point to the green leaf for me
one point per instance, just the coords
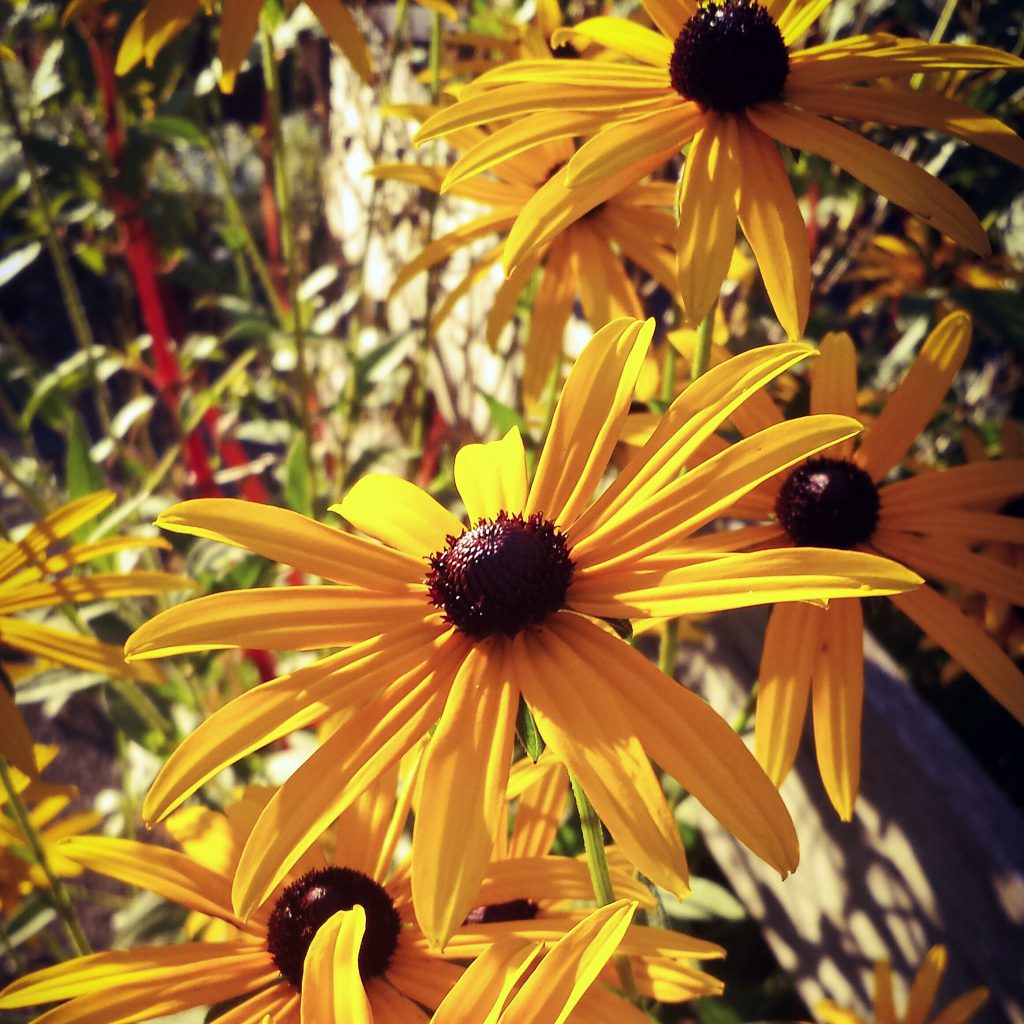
(175, 129)
(15, 262)
(526, 729)
(714, 1010)
(503, 417)
(83, 475)
(298, 490)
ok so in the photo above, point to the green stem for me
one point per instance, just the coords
(65, 279)
(422, 393)
(282, 194)
(668, 374)
(134, 696)
(742, 720)
(236, 218)
(600, 876)
(57, 892)
(667, 646)
(702, 350)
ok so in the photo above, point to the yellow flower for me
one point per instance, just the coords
(34, 574)
(20, 874)
(338, 940)
(919, 1003)
(585, 259)
(727, 79)
(929, 522)
(451, 625)
(160, 21)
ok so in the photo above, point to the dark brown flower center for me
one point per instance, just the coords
(729, 56)
(496, 913)
(828, 503)
(306, 905)
(502, 576)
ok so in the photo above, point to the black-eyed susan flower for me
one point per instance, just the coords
(450, 624)
(920, 1001)
(729, 80)
(929, 522)
(39, 570)
(337, 939)
(586, 259)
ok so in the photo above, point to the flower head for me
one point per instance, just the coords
(931, 522)
(727, 78)
(452, 625)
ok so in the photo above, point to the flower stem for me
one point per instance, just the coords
(57, 891)
(742, 719)
(422, 392)
(282, 192)
(600, 876)
(702, 350)
(667, 648)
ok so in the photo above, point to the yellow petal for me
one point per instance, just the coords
(274, 619)
(925, 985)
(168, 873)
(520, 137)
(370, 741)
(837, 702)
(82, 652)
(834, 383)
(739, 581)
(670, 15)
(50, 529)
(683, 735)
(343, 31)
(90, 588)
(552, 308)
(627, 150)
(590, 412)
(914, 109)
(239, 20)
(462, 784)
(774, 226)
(483, 990)
(968, 645)
(492, 477)
(918, 397)
(946, 560)
(292, 539)
(992, 482)
(584, 722)
(399, 514)
(623, 36)
(276, 708)
(963, 1008)
(551, 993)
(708, 490)
(787, 662)
(332, 989)
(692, 419)
(707, 215)
(15, 740)
(900, 181)
(554, 206)
(156, 980)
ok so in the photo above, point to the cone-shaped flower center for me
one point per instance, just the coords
(497, 913)
(501, 576)
(728, 56)
(318, 895)
(828, 503)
